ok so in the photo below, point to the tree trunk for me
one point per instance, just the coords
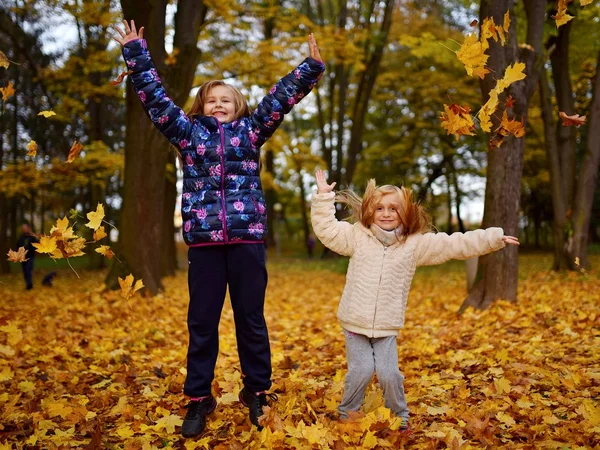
(561, 259)
(588, 178)
(146, 151)
(169, 252)
(499, 270)
(6, 244)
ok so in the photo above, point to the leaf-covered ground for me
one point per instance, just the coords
(83, 368)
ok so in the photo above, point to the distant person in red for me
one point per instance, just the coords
(26, 240)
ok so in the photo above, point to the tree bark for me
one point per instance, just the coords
(499, 270)
(586, 184)
(146, 151)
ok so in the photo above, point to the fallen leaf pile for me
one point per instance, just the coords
(86, 369)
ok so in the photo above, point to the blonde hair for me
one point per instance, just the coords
(241, 108)
(413, 217)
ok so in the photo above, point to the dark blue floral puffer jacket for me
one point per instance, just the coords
(222, 200)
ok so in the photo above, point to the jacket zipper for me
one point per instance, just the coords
(222, 157)
(377, 296)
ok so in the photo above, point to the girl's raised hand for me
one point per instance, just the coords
(314, 49)
(322, 186)
(130, 34)
(510, 240)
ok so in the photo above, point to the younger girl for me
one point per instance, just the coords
(386, 244)
(224, 219)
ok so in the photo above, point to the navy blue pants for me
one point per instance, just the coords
(211, 270)
(28, 272)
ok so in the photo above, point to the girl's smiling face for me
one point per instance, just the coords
(219, 104)
(387, 214)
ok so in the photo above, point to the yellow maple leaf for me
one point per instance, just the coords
(127, 286)
(105, 251)
(169, 423)
(7, 91)
(471, 54)
(6, 374)
(18, 256)
(47, 113)
(14, 333)
(26, 386)
(95, 217)
(74, 247)
(32, 148)
(513, 73)
(4, 60)
(562, 17)
(58, 409)
(61, 229)
(370, 440)
(502, 386)
(585, 2)
(100, 233)
(505, 418)
(47, 244)
(74, 151)
(506, 25)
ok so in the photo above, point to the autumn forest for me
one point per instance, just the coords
(488, 111)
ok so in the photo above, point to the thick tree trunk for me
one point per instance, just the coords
(142, 231)
(586, 184)
(498, 271)
(6, 243)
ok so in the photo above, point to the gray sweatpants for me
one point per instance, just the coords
(367, 356)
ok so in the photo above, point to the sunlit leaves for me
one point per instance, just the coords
(95, 217)
(573, 120)
(47, 244)
(46, 114)
(472, 55)
(457, 120)
(18, 256)
(32, 149)
(7, 91)
(105, 250)
(128, 288)
(562, 16)
(74, 151)
(4, 60)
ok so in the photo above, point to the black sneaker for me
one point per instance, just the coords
(195, 419)
(255, 402)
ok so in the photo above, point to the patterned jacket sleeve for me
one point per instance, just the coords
(282, 97)
(165, 115)
(336, 235)
(437, 248)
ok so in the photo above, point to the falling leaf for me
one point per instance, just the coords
(127, 286)
(574, 120)
(99, 234)
(474, 23)
(585, 2)
(73, 214)
(506, 25)
(105, 251)
(46, 245)
(18, 256)
(577, 261)
(74, 151)
(472, 55)
(457, 120)
(46, 114)
(95, 218)
(120, 78)
(32, 148)
(4, 60)
(511, 126)
(509, 102)
(7, 91)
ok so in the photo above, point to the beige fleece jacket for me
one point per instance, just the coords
(378, 278)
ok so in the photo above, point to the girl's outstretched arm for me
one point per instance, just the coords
(336, 235)
(437, 248)
(166, 116)
(285, 94)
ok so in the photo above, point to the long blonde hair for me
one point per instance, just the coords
(413, 217)
(240, 104)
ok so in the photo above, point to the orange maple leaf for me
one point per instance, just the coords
(562, 16)
(509, 102)
(100, 233)
(18, 256)
(32, 148)
(514, 127)
(105, 251)
(7, 91)
(74, 151)
(457, 120)
(120, 78)
(574, 120)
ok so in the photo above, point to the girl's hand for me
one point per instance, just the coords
(322, 186)
(510, 240)
(131, 34)
(314, 49)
